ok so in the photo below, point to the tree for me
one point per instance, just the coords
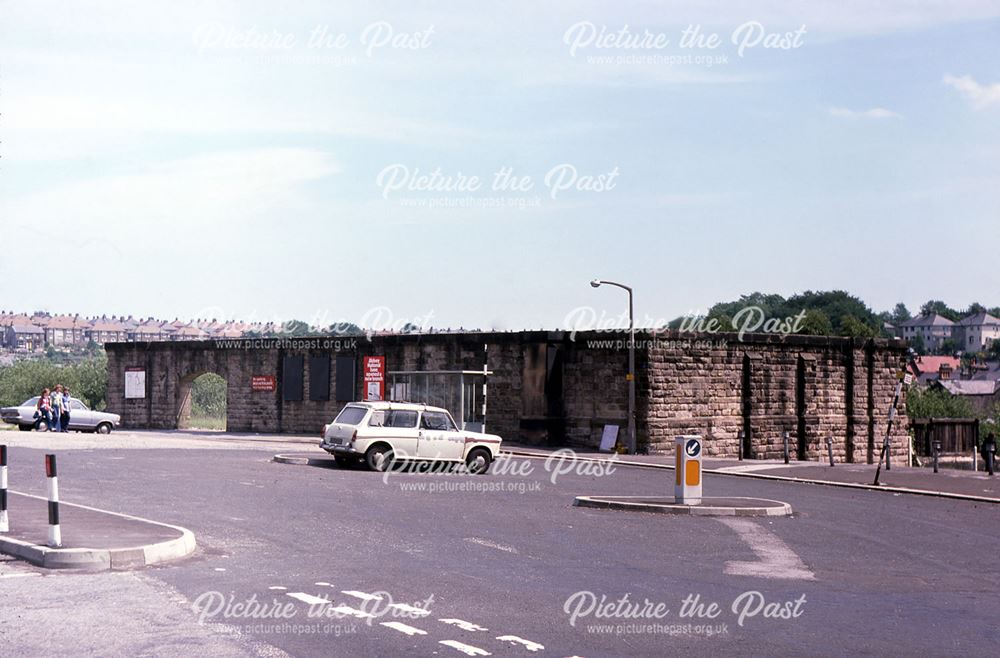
(918, 344)
(815, 323)
(936, 403)
(949, 346)
(975, 308)
(855, 328)
(296, 328)
(935, 306)
(899, 315)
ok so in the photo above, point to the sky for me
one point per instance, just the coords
(477, 164)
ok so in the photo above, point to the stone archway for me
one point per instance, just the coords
(187, 405)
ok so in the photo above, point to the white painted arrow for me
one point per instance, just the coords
(775, 558)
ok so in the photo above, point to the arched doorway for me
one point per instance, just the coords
(202, 402)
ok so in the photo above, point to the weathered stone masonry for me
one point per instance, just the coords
(561, 389)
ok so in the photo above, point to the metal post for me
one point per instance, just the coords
(632, 447)
(829, 448)
(4, 523)
(632, 443)
(888, 430)
(739, 448)
(936, 445)
(975, 459)
(784, 437)
(989, 462)
(55, 534)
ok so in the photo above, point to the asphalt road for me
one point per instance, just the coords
(507, 568)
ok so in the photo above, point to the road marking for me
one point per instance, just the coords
(749, 468)
(219, 569)
(323, 583)
(364, 596)
(308, 598)
(464, 625)
(278, 587)
(348, 611)
(467, 649)
(528, 644)
(403, 628)
(420, 612)
(490, 544)
(775, 558)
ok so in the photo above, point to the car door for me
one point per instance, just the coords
(438, 437)
(80, 417)
(401, 428)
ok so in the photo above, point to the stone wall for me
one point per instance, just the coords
(557, 388)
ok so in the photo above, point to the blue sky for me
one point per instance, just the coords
(203, 161)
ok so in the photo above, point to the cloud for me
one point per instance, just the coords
(979, 96)
(873, 113)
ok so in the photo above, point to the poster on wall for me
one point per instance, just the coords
(374, 378)
(135, 383)
(263, 383)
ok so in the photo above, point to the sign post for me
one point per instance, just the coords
(902, 378)
(135, 383)
(687, 487)
(373, 368)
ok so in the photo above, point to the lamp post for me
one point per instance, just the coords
(596, 283)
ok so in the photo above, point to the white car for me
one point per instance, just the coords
(81, 417)
(383, 432)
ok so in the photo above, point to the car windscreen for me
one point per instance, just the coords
(351, 415)
(33, 402)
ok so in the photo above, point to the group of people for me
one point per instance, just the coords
(53, 408)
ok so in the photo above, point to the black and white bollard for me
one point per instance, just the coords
(829, 448)
(55, 536)
(4, 522)
(936, 446)
(784, 438)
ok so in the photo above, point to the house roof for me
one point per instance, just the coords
(969, 387)
(932, 364)
(63, 322)
(27, 329)
(978, 320)
(932, 320)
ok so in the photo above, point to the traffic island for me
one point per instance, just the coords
(91, 539)
(709, 506)
(304, 459)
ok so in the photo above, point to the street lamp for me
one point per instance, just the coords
(596, 283)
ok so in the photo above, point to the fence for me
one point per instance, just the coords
(957, 435)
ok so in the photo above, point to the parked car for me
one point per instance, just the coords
(380, 433)
(81, 417)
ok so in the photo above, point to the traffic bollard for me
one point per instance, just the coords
(4, 523)
(55, 535)
(829, 448)
(989, 451)
(937, 448)
(739, 449)
(784, 438)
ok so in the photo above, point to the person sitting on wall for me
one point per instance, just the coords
(57, 404)
(64, 418)
(43, 411)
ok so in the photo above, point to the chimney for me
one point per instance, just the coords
(944, 371)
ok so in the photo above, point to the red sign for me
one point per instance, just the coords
(263, 383)
(374, 378)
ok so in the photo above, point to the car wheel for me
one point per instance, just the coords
(478, 461)
(25, 428)
(379, 457)
(104, 428)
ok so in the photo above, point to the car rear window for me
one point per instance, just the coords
(351, 415)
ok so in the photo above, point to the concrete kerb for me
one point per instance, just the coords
(318, 460)
(711, 506)
(782, 478)
(98, 559)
